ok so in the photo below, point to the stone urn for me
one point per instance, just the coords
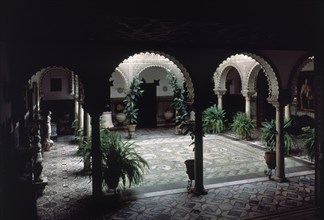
(120, 117)
(168, 115)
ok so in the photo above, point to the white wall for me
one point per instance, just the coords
(149, 75)
(64, 94)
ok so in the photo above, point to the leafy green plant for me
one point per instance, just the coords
(269, 132)
(213, 119)
(130, 101)
(178, 102)
(120, 160)
(243, 126)
(309, 141)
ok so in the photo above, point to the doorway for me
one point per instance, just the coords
(147, 106)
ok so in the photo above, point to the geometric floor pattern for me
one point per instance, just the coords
(233, 176)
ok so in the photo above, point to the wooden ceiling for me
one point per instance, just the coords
(214, 24)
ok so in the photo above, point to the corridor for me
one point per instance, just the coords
(233, 176)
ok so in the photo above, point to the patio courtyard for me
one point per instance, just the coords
(233, 177)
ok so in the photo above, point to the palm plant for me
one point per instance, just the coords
(269, 133)
(309, 142)
(120, 161)
(243, 125)
(213, 119)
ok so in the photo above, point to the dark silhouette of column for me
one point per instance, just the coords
(199, 175)
(96, 156)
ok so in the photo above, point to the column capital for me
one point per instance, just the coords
(220, 92)
(247, 93)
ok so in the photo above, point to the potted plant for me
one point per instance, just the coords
(188, 127)
(243, 126)
(130, 102)
(178, 102)
(308, 137)
(268, 134)
(120, 161)
(213, 119)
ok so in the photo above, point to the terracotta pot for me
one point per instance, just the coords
(131, 130)
(270, 159)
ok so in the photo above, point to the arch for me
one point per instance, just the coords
(42, 73)
(273, 83)
(144, 60)
(248, 65)
(221, 74)
(252, 77)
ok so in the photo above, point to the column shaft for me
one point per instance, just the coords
(280, 150)
(287, 112)
(199, 180)
(96, 157)
(220, 101)
(248, 106)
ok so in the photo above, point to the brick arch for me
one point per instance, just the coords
(156, 59)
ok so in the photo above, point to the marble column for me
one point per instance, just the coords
(76, 110)
(80, 116)
(220, 94)
(199, 174)
(220, 101)
(248, 106)
(86, 125)
(287, 112)
(280, 150)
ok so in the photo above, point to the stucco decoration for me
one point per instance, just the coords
(296, 73)
(273, 95)
(134, 65)
(248, 67)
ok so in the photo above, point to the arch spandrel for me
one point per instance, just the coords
(137, 63)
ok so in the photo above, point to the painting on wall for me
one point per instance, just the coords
(305, 91)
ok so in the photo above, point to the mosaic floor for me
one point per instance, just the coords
(233, 176)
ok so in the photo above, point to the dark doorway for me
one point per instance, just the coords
(147, 106)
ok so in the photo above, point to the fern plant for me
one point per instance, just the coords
(120, 160)
(309, 142)
(243, 126)
(213, 119)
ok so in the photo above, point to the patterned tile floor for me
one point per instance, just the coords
(233, 176)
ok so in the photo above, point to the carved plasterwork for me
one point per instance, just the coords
(136, 64)
(248, 66)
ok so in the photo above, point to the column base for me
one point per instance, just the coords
(279, 179)
(199, 192)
